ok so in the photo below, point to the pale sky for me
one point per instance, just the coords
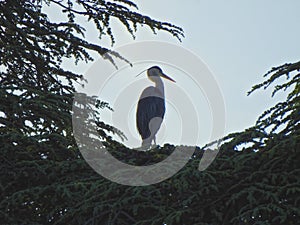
(239, 41)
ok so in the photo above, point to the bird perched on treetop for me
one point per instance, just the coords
(151, 107)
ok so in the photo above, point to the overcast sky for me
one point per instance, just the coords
(239, 41)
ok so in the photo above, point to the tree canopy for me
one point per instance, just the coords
(45, 180)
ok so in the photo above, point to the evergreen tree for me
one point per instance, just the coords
(37, 93)
(45, 180)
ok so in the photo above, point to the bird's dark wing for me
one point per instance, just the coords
(149, 107)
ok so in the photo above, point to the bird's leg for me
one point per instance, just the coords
(154, 142)
(146, 144)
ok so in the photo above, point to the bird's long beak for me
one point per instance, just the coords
(167, 77)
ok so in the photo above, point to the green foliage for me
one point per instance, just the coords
(44, 179)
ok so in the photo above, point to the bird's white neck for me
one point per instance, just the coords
(159, 84)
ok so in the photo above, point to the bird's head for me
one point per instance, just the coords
(155, 72)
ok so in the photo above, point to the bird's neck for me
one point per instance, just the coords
(159, 85)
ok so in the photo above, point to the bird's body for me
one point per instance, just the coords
(151, 107)
(150, 113)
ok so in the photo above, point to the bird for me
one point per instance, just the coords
(151, 107)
